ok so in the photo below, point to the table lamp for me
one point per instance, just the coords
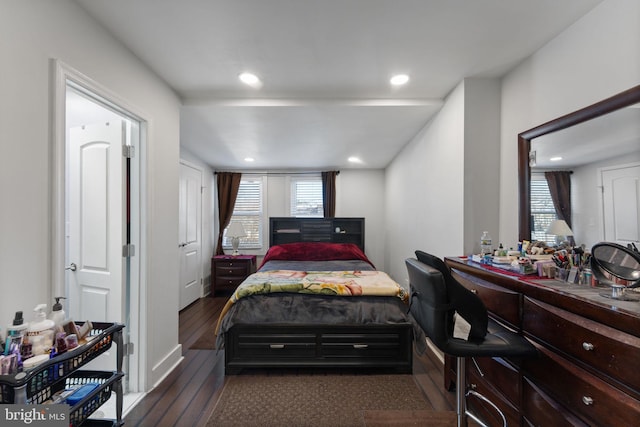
(235, 231)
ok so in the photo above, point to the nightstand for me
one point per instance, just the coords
(227, 271)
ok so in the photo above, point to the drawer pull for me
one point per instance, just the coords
(587, 346)
(360, 346)
(587, 400)
(276, 346)
(474, 291)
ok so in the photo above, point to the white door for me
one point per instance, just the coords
(621, 198)
(189, 234)
(96, 232)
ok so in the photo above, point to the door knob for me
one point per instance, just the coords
(72, 267)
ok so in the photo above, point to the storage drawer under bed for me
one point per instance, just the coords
(389, 346)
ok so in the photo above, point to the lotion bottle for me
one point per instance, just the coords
(41, 325)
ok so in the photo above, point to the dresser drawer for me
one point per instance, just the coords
(588, 397)
(483, 410)
(608, 350)
(498, 372)
(500, 302)
(226, 281)
(541, 410)
(230, 265)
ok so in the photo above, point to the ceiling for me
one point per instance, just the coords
(325, 67)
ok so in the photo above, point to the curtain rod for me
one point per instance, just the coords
(276, 173)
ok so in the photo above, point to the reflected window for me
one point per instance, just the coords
(542, 210)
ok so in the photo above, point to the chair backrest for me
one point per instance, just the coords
(429, 302)
(461, 300)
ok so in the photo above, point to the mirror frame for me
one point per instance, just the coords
(606, 106)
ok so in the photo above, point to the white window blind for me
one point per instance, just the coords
(306, 196)
(542, 211)
(248, 211)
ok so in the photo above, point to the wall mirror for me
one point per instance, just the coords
(592, 140)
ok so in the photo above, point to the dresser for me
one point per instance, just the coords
(228, 271)
(587, 372)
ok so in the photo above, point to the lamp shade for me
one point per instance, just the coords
(559, 227)
(236, 229)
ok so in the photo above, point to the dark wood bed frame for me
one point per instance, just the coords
(388, 347)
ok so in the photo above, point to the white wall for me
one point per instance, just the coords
(442, 189)
(361, 193)
(593, 59)
(481, 162)
(425, 195)
(31, 33)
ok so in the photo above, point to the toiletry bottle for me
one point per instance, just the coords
(57, 313)
(485, 243)
(41, 325)
(18, 326)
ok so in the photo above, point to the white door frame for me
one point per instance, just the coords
(62, 74)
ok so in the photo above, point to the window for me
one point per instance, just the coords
(542, 210)
(248, 212)
(306, 196)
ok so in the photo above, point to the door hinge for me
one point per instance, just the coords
(128, 349)
(128, 151)
(128, 250)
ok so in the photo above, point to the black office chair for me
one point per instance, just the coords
(435, 297)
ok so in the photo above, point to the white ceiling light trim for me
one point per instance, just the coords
(250, 79)
(399, 79)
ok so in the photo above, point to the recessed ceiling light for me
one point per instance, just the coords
(555, 159)
(354, 159)
(249, 159)
(399, 79)
(250, 79)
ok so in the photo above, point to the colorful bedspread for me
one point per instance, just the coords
(336, 283)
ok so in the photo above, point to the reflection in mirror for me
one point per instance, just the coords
(616, 266)
(611, 141)
(599, 148)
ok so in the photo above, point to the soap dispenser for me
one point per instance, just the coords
(57, 313)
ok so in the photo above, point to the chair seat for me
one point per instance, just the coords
(499, 342)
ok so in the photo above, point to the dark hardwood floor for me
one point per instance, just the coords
(188, 395)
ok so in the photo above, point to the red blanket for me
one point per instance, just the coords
(315, 251)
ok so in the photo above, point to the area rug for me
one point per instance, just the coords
(313, 400)
(206, 341)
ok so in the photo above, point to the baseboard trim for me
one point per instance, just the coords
(163, 368)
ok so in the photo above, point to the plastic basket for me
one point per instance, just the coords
(84, 408)
(40, 380)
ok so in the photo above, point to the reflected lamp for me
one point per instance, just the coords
(560, 229)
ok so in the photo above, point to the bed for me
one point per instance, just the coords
(317, 304)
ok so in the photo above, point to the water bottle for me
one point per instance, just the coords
(485, 243)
